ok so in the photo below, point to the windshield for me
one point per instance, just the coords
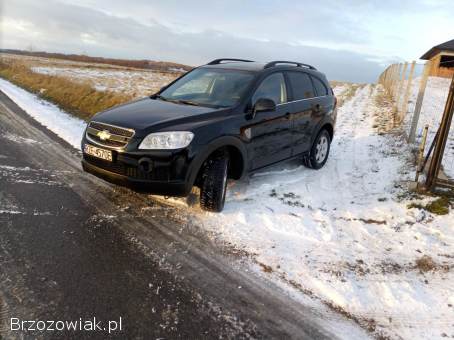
(209, 87)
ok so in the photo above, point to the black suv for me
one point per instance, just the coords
(218, 121)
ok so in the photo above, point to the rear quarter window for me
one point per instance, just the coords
(320, 88)
(301, 85)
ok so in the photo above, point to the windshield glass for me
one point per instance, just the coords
(209, 87)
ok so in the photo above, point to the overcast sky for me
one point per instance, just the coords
(347, 39)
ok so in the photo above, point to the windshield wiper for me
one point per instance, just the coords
(158, 96)
(178, 101)
(188, 102)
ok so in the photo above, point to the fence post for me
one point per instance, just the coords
(389, 87)
(408, 90)
(419, 101)
(421, 155)
(392, 70)
(401, 86)
(445, 126)
(396, 77)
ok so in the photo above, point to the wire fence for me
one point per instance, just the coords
(420, 100)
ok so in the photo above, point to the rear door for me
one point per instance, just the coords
(304, 109)
(270, 133)
(324, 97)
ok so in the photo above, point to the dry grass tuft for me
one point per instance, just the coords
(425, 264)
(80, 99)
(265, 268)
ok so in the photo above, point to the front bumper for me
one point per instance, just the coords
(157, 173)
(167, 188)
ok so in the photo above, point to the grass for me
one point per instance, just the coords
(425, 264)
(385, 121)
(438, 207)
(79, 99)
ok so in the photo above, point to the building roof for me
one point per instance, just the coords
(447, 46)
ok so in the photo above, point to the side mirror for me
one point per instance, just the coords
(264, 104)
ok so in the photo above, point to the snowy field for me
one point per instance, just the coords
(102, 77)
(431, 113)
(136, 83)
(343, 235)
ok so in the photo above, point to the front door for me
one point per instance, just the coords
(270, 133)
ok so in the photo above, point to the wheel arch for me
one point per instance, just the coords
(328, 127)
(236, 152)
(326, 124)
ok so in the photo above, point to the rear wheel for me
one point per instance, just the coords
(319, 152)
(214, 182)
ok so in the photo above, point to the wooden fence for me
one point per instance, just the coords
(437, 106)
(397, 81)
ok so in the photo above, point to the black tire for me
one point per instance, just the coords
(319, 152)
(214, 183)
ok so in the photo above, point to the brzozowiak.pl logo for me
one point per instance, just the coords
(87, 325)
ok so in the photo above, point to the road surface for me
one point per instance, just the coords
(73, 247)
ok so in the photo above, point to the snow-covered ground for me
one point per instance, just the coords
(65, 125)
(342, 235)
(431, 113)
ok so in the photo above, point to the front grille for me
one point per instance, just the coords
(109, 135)
(112, 129)
(107, 142)
(157, 174)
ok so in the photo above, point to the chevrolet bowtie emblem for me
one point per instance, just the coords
(103, 135)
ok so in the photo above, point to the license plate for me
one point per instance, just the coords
(98, 152)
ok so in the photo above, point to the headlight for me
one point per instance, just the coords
(167, 140)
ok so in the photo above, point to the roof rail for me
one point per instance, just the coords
(218, 61)
(274, 63)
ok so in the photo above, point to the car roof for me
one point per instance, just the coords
(246, 66)
(259, 67)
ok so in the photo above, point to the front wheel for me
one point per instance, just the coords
(214, 183)
(319, 151)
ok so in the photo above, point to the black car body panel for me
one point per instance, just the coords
(253, 139)
(145, 114)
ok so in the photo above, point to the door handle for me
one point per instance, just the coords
(288, 115)
(316, 108)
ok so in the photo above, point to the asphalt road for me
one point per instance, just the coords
(73, 247)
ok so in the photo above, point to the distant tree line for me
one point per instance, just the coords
(161, 66)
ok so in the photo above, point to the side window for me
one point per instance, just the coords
(320, 87)
(272, 87)
(301, 85)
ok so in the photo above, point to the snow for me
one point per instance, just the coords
(61, 123)
(137, 83)
(340, 89)
(343, 235)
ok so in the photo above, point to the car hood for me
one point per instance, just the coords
(144, 113)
